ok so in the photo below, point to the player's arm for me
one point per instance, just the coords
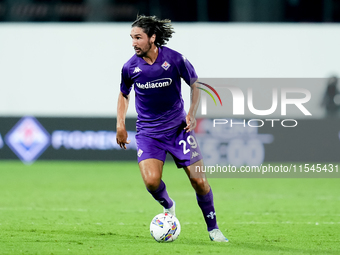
(123, 104)
(195, 99)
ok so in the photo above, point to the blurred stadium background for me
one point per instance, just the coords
(191, 10)
(61, 60)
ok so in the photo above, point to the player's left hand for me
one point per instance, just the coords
(191, 123)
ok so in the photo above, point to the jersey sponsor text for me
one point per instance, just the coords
(165, 82)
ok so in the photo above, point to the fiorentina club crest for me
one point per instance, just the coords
(28, 139)
(166, 65)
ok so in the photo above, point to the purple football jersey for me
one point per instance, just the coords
(159, 102)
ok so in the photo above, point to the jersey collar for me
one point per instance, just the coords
(158, 59)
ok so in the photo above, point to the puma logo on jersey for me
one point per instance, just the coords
(137, 70)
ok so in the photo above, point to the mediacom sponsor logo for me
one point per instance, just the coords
(164, 82)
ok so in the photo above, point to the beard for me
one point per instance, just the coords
(143, 52)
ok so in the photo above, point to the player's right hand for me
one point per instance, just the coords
(191, 123)
(121, 138)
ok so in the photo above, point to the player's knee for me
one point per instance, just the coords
(200, 185)
(152, 183)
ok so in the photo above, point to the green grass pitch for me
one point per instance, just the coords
(104, 208)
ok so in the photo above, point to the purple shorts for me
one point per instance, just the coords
(181, 145)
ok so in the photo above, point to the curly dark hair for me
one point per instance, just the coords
(152, 25)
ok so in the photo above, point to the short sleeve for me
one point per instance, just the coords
(126, 83)
(187, 71)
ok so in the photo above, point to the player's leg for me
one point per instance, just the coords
(205, 200)
(151, 157)
(204, 195)
(185, 150)
(151, 171)
(186, 153)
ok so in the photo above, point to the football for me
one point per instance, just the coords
(165, 227)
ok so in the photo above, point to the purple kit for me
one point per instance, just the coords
(159, 105)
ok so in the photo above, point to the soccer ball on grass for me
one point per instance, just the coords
(165, 227)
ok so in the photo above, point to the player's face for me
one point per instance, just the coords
(140, 41)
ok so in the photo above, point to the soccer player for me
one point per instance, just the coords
(155, 72)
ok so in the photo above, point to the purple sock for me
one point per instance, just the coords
(161, 195)
(206, 203)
